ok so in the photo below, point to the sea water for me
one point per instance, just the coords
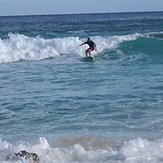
(67, 110)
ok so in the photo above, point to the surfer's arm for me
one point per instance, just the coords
(82, 44)
(95, 46)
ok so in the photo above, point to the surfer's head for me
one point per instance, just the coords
(89, 39)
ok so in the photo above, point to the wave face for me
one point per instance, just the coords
(67, 110)
(19, 47)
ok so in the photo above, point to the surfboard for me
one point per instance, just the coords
(89, 59)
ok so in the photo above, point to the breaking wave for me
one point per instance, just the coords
(133, 151)
(20, 47)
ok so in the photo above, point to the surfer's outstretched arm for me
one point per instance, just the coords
(82, 44)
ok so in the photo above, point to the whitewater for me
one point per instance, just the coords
(20, 47)
(68, 110)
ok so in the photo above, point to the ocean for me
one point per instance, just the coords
(68, 110)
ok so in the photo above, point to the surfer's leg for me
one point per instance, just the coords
(87, 52)
(90, 50)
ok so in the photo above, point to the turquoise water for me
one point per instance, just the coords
(67, 110)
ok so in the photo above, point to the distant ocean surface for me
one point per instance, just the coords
(68, 110)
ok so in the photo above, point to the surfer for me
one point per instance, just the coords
(92, 46)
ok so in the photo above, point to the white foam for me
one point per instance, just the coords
(141, 150)
(20, 47)
(133, 151)
(112, 42)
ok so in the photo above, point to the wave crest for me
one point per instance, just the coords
(20, 47)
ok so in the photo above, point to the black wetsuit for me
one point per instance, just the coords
(91, 44)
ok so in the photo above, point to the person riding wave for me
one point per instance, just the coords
(92, 46)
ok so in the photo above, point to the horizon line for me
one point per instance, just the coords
(52, 14)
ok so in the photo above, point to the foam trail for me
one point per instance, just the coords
(20, 47)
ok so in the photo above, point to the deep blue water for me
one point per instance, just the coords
(66, 109)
